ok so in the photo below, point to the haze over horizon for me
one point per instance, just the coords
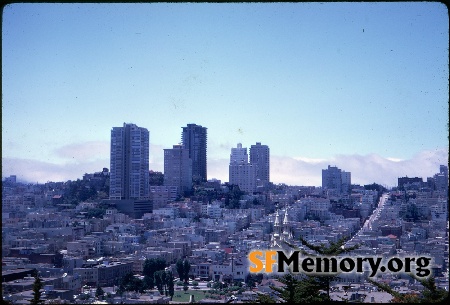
(360, 86)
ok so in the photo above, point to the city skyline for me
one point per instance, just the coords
(360, 86)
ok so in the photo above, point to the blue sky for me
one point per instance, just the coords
(363, 86)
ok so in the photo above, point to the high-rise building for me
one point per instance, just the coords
(346, 178)
(336, 179)
(194, 138)
(239, 154)
(129, 178)
(441, 180)
(260, 156)
(178, 168)
(243, 175)
(241, 172)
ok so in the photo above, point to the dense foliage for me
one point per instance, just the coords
(183, 268)
(86, 190)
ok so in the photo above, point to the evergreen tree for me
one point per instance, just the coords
(289, 291)
(37, 286)
(180, 269)
(431, 293)
(186, 269)
(170, 284)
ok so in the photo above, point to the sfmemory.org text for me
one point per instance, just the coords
(264, 261)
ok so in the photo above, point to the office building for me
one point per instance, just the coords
(178, 168)
(194, 138)
(260, 157)
(129, 178)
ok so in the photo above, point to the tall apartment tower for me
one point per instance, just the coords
(336, 179)
(239, 154)
(332, 179)
(346, 178)
(178, 168)
(129, 170)
(441, 180)
(260, 156)
(241, 172)
(194, 139)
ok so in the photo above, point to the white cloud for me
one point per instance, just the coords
(310, 160)
(33, 171)
(394, 159)
(85, 151)
(93, 156)
(365, 169)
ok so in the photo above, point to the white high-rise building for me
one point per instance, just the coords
(241, 172)
(129, 171)
(239, 154)
(178, 168)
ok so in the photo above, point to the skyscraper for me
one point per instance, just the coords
(194, 139)
(178, 168)
(260, 156)
(129, 174)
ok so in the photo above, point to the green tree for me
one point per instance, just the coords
(430, 294)
(151, 265)
(170, 284)
(234, 196)
(156, 178)
(149, 282)
(289, 291)
(131, 283)
(99, 292)
(180, 269)
(251, 279)
(185, 287)
(158, 280)
(183, 267)
(164, 280)
(37, 286)
(186, 269)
